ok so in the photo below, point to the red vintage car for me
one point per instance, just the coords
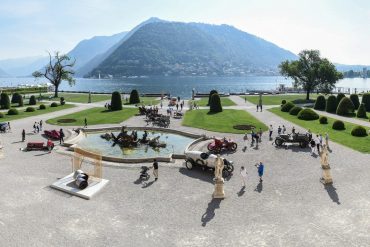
(218, 145)
(52, 134)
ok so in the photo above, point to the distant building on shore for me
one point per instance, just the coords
(364, 72)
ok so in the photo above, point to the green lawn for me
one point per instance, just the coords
(80, 97)
(24, 114)
(343, 137)
(276, 99)
(146, 101)
(221, 122)
(224, 101)
(98, 115)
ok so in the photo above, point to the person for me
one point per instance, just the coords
(317, 141)
(253, 136)
(260, 134)
(271, 129)
(85, 123)
(279, 130)
(260, 168)
(243, 175)
(40, 125)
(293, 130)
(23, 135)
(284, 129)
(260, 102)
(245, 138)
(49, 145)
(9, 126)
(313, 144)
(257, 107)
(181, 106)
(37, 127)
(327, 140)
(320, 139)
(256, 136)
(261, 106)
(309, 135)
(61, 134)
(155, 170)
(161, 104)
(245, 99)
(34, 127)
(177, 107)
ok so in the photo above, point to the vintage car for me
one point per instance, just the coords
(206, 161)
(4, 127)
(301, 139)
(52, 134)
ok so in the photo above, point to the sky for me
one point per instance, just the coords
(340, 29)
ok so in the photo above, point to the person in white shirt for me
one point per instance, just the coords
(243, 175)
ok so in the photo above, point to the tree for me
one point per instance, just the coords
(32, 100)
(210, 95)
(311, 72)
(134, 97)
(59, 69)
(116, 101)
(345, 107)
(215, 104)
(320, 103)
(15, 98)
(4, 101)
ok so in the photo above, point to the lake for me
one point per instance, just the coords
(181, 85)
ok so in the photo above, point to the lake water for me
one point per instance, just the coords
(181, 86)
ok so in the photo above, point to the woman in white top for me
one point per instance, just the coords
(243, 175)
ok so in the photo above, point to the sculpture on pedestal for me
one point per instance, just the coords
(219, 181)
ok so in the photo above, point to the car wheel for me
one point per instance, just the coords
(234, 146)
(278, 142)
(225, 173)
(189, 164)
(210, 146)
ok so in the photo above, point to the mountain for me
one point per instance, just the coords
(99, 58)
(174, 48)
(344, 67)
(3, 73)
(23, 66)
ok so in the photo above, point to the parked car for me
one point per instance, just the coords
(206, 161)
(301, 139)
(222, 144)
(173, 101)
(4, 127)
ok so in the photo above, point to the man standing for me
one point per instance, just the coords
(279, 130)
(61, 136)
(260, 168)
(85, 123)
(327, 140)
(155, 169)
(318, 144)
(23, 135)
(271, 129)
(40, 125)
(243, 174)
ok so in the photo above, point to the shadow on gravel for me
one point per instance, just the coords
(259, 187)
(210, 211)
(241, 191)
(332, 193)
(198, 174)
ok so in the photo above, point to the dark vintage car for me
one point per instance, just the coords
(301, 139)
(4, 127)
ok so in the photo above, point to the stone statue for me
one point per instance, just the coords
(325, 157)
(219, 181)
(219, 166)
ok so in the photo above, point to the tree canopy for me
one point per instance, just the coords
(59, 69)
(311, 72)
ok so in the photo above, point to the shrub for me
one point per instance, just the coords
(359, 131)
(287, 107)
(116, 101)
(209, 96)
(13, 111)
(323, 120)
(355, 100)
(15, 98)
(366, 101)
(331, 104)
(295, 110)
(361, 111)
(308, 114)
(338, 125)
(20, 101)
(42, 107)
(134, 97)
(320, 103)
(345, 107)
(30, 109)
(4, 101)
(54, 104)
(62, 101)
(283, 102)
(340, 96)
(2, 115)
(32, 100)
(215, 104)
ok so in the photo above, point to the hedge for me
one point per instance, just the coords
(338, 125)
(32, 100)
(295, 110)
(54, 104)
(366, 101)
(287, 107)
(13, 111)
(355, 100)
(15, 98)
(361, 111)
(210, 95)
(323, 120)
(30, 109)
(42, 107)
(2, 115)
(134, 97)
(308, 114)
(340, 96)
(359, 131)
(345, 107)
(320, 103)
(116, 101)
(215, 104)
(331, 104)
(4, 101)
(62, 101)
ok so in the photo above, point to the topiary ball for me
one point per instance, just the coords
(359, 131)
(30, 109)
(283, 102)
(287, 107)
(42, 107)
(295, 110)
(13, 111)
(308, 114)
(54, 104)
(62, 101)
(320, 103)
(2, 115)
(331, 104)
(338, 125)
(323, 120)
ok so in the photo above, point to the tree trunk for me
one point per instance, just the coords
(308, 95)
(56, 92)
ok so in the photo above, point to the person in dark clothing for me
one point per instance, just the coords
(260, 169)
(85, 123)
(61, 133)
(155, 169)
(23, 135)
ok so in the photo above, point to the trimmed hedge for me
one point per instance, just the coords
(287, 107)
(134, 97)
(323, 120)
(116, 101)
(54, 104)
(345, 107)
(361, 111)
(359, 131)
(13, 111)
(338, 125)
(62, 101)
(340, 96)
(331, 104)
(42, 107)
(30, 109)
(210, 95)
(2, 115)
(295, 110)
(32, 100)
(20, 101)
(215, 104)
(355, 100)
(366, 101)
(283, 102)
(4, 101)
(15, 98)
(308, 114)
(320, 103)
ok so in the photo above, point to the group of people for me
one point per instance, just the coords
(37, 127)
(316, 142)
(260, 170)
(256, 136)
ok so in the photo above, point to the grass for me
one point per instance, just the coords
(221, 122)
(77, 97)
(343, 137)
(24, 114)
(97, 115)
(146, 101)
(224, 101)
(276, 99)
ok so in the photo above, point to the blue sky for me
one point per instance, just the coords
(339, 29)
